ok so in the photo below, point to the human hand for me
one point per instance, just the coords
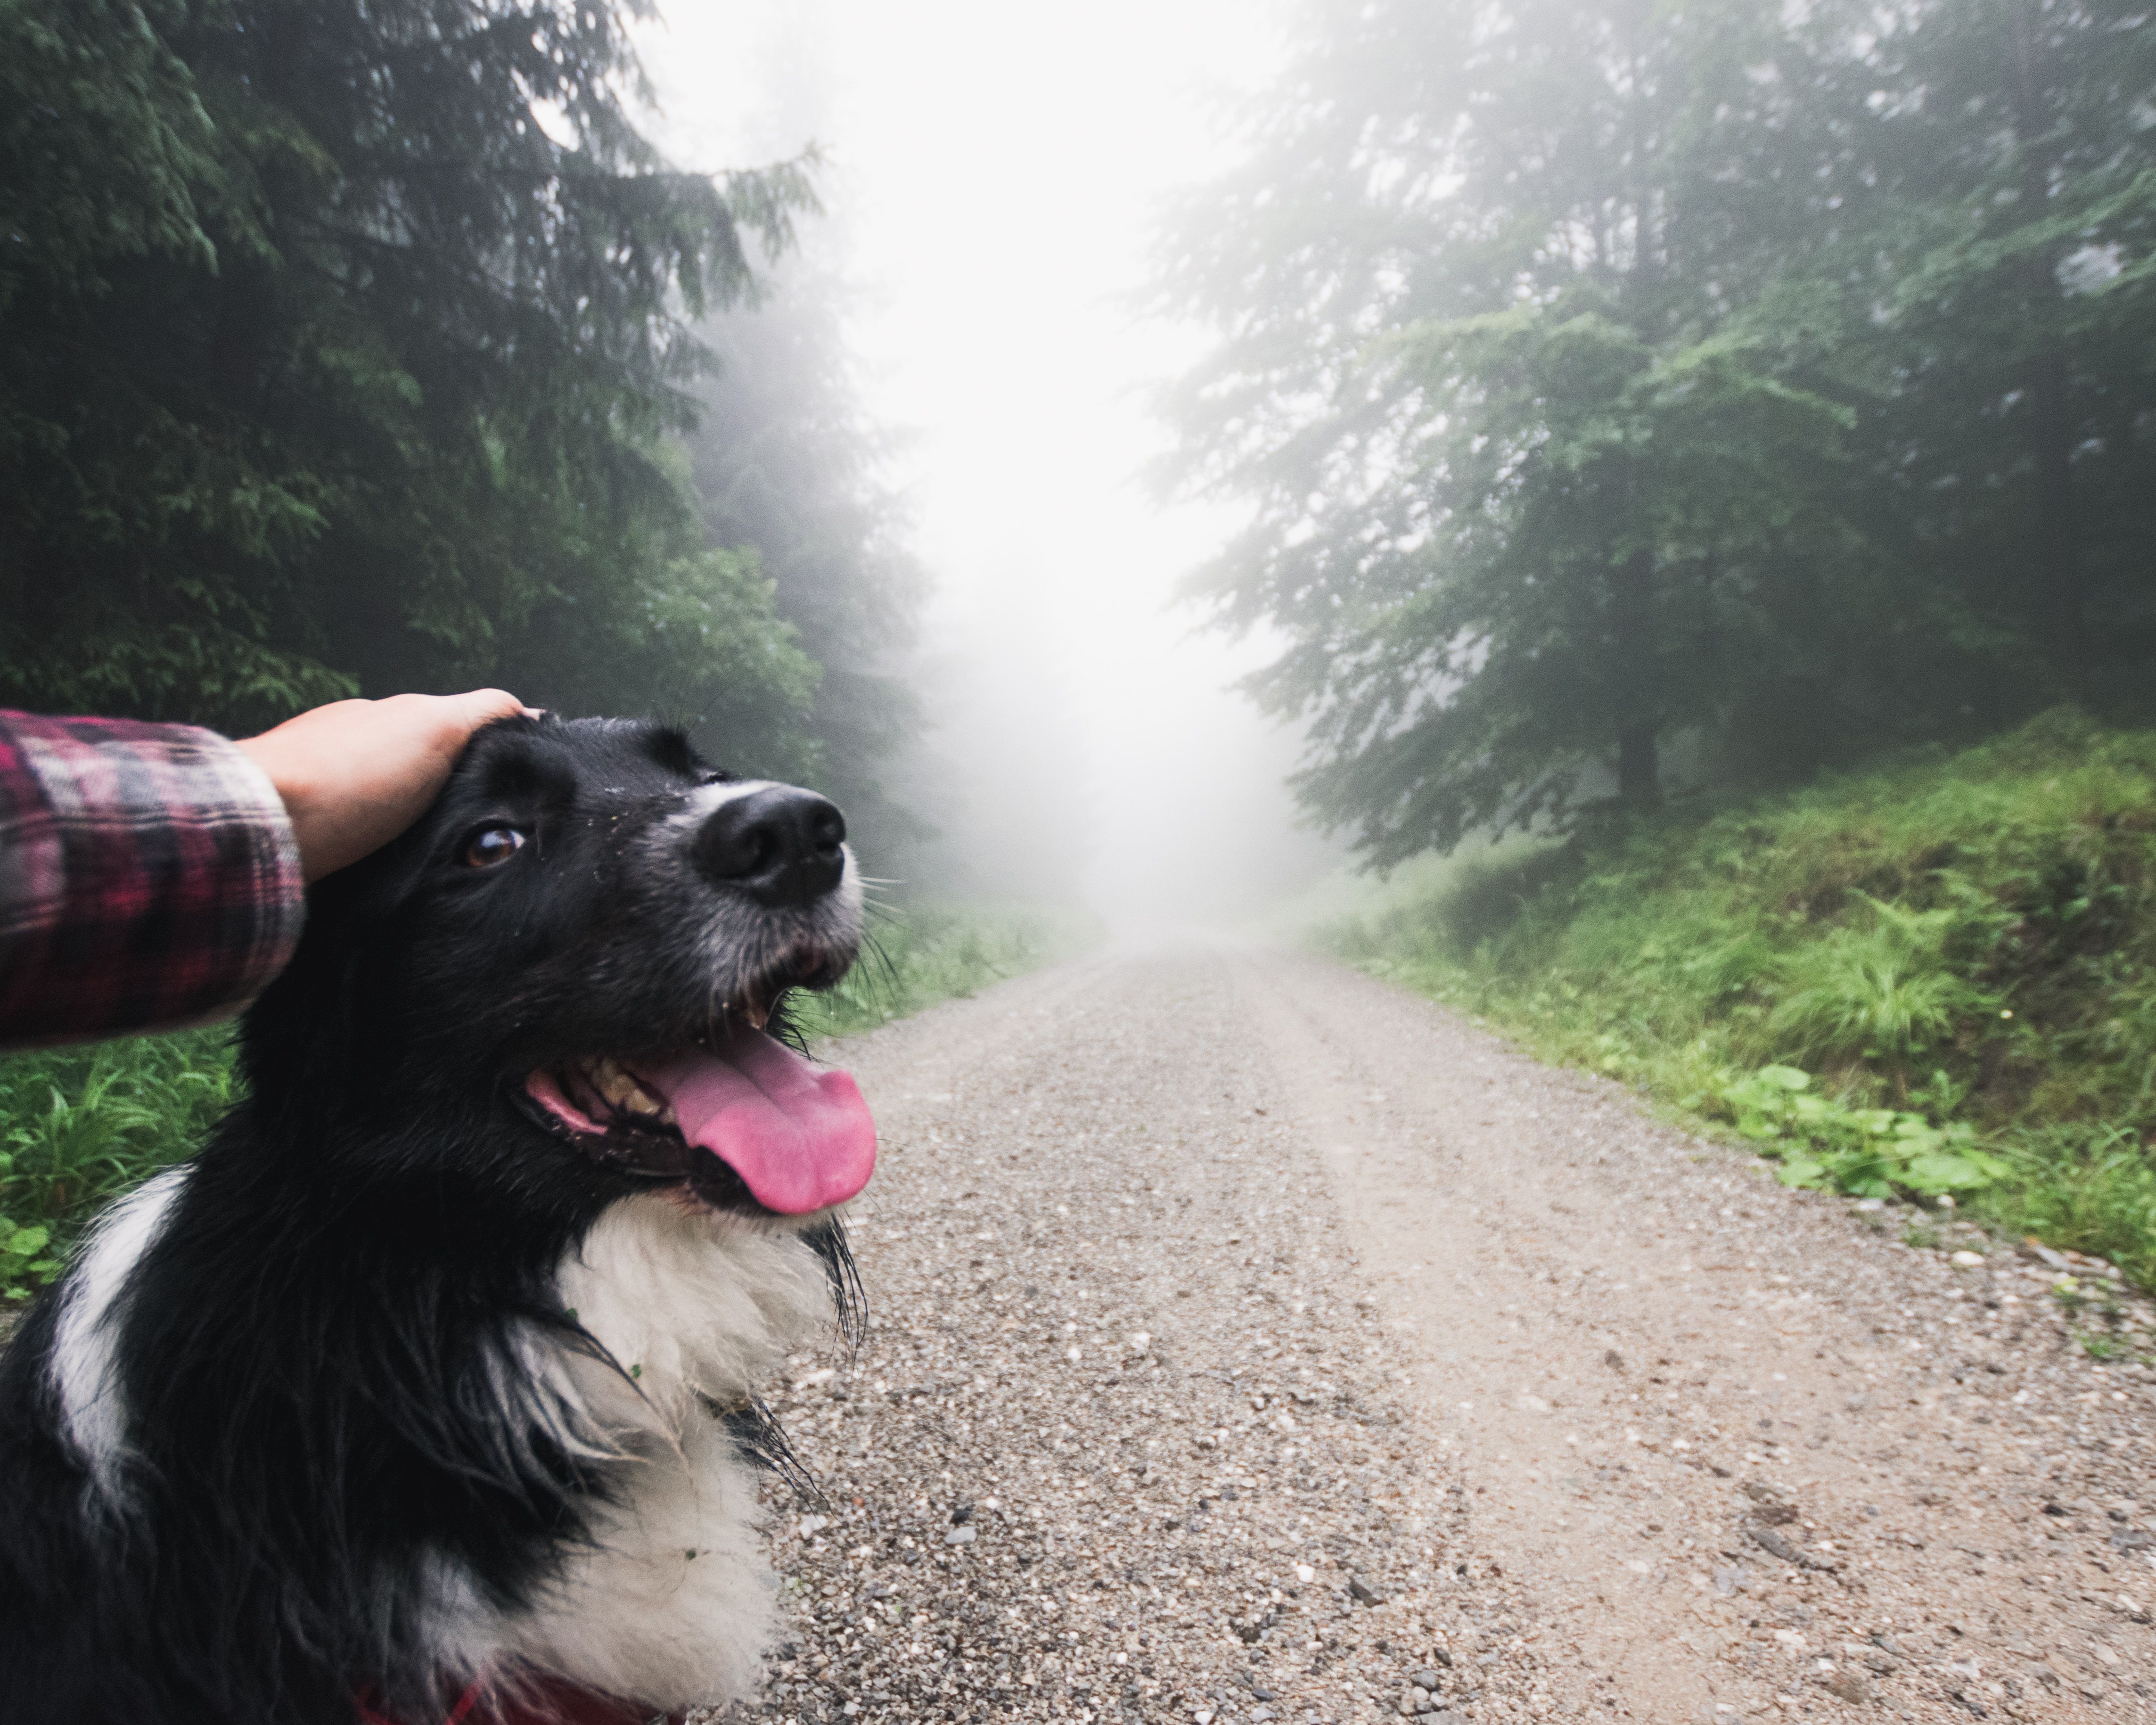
(354, 774)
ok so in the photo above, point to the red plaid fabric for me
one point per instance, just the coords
(148, 878)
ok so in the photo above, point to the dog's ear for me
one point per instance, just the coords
(669, 746)
(308, 1036)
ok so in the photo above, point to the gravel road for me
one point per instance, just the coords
(1251, 1341)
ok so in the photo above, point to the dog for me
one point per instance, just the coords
(427, 1389)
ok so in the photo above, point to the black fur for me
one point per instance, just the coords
(316, 1357)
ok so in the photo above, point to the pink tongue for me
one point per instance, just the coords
(799, 1138)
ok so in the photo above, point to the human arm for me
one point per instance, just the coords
(153, 875)
(354, 774)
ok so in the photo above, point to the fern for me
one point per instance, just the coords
(1883, 993)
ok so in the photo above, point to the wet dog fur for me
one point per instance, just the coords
(395, 1386)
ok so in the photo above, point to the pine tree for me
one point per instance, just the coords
(337, 346)
(1609, 375)
(2016, 167)
(1528, 481)
(786, 464)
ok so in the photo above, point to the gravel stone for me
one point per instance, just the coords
(1341, 1274)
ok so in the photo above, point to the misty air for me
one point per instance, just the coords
(1287, 864)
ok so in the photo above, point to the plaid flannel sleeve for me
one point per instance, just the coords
(148, 878)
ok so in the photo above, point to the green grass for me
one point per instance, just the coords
(79, 1126)
(1935, 980)
(929, 953)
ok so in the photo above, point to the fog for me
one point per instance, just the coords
(991, 175)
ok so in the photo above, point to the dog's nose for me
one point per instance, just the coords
(780, 845)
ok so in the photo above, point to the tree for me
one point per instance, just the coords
(1527, 478)
(1603, 529)
(786, 462)
(1608, 374)
(338, 344)
(2017, 167)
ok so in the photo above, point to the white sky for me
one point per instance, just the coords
(994, 168)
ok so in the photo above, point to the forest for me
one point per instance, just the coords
(349, 350)
(1490, 666)
(1629, 398)
(1624, 398)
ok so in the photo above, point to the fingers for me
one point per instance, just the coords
(441, 724)
(354, 774)
(483, 707)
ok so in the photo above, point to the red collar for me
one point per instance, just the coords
(548, 1702)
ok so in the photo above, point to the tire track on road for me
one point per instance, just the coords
(1182, 1265)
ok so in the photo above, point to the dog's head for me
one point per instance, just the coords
(564, 971)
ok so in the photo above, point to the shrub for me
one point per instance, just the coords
(926, 953)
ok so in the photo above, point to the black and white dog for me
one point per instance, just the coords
(428, 1388)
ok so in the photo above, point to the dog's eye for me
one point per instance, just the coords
(490, 845)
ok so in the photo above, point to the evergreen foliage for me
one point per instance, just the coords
(1613, 374)
(786, 462)
(337, 348)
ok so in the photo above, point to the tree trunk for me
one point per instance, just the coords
(1638, 772)
(1631, 621)
(239, 337)
(2060, 595)
(1632, 592)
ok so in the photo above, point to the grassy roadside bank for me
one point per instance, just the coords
(1935, 981)
(81, 1126)
(929, 953)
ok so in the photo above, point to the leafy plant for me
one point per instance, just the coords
(79, 1126)
(1883, 992)
(1873, 1153)
(2090, 1186)
(25, 1262)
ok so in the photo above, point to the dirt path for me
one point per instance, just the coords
(1256, 1342)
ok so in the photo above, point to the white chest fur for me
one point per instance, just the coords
(672, 1602)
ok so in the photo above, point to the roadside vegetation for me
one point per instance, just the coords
(1935, 980)
(78, 1126)
(927, 953)
(81, 1126)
